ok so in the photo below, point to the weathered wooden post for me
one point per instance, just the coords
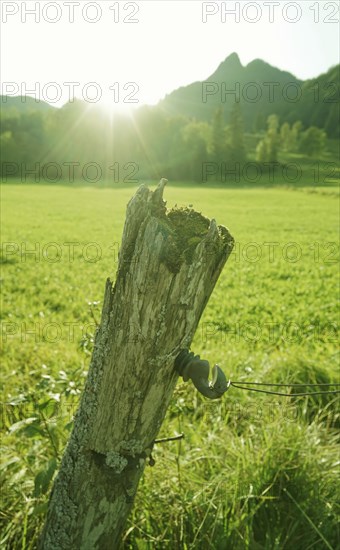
(168, 266)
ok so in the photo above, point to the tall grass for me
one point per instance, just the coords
(254, 471)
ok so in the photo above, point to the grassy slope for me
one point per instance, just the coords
(254, 471)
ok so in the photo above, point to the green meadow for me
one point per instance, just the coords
(254, 471)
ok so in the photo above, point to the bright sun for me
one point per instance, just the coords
(117, 104)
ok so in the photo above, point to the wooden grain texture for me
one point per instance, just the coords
(168, 266)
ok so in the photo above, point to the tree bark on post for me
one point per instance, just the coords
(168, 265)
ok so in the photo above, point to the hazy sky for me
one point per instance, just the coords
(157, 45)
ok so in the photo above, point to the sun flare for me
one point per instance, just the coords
(113, 107)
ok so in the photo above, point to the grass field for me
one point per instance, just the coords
(254, 471)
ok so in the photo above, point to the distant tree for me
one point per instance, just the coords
(195, 129)
(219, 148)
(195, 136)
(262, 151)
(295, 135)
(267, 148)
(290, 136)
(312, 141)
(285, 136)
(236, 135)
(273, 138)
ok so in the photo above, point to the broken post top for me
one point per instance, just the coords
(182, 229)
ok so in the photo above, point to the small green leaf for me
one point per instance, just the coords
(43, 478)
(22, 424)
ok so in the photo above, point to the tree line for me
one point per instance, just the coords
(149, 141)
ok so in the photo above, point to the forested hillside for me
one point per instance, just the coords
(208, 121)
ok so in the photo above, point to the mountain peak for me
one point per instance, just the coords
(231, 63)
(258, 63)
(233, 57)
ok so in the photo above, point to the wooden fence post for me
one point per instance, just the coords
(168, 265)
